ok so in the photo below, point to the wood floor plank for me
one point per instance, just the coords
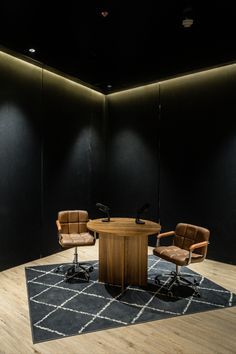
(202, 333)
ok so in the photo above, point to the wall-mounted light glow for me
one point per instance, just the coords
(32, 50)
(203, 72)
(16, 59)
(135, 90)
(71, 82)
(10, 57)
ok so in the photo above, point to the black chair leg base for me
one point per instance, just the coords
(170, 294)
(75, 271)
(157, 280)
(177, 279)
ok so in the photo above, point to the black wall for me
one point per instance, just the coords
(198, 156)
(132, 154)
(190, 143)
(20, 156)
(51, 156)
(73, 151)
(64, 146)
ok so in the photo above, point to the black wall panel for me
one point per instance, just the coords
(73, 151)
(64, 146)
(132, 175)
(198, 149)
(51, 156)
(20, 155)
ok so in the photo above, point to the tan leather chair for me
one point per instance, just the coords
(72, 232)
(189, 245)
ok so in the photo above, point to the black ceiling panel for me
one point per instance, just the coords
(137, 42)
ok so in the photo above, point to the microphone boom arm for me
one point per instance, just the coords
(105, 209)
(139, 212)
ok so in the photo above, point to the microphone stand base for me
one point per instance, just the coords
(140, 222)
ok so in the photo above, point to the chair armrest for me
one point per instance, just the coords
(194, 246)
(58, 225)
(164, 234)
(198, 245)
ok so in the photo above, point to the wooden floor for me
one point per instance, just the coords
(207, 332)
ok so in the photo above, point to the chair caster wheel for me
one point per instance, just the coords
(90, 269)
(87, 277)
(70, 272)
(170, 294)
(58, 269)
(157, 281)
(68, 278)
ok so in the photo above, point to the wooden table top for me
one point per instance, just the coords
(124, 227)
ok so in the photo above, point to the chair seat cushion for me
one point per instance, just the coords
(73, 240)
(176, 255)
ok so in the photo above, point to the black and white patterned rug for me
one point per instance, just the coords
(59, 309)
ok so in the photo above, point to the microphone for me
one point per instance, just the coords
(102, 207)
(105, 209)
(140, 211)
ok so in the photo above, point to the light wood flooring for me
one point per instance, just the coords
(204, 333)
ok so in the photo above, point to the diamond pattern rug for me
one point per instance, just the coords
(59, 309)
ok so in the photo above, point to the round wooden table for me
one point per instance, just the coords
(123, 250)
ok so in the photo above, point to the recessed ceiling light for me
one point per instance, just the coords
(32, 50)
(109, 86)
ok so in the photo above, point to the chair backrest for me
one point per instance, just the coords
(73, 221)
(187, 234)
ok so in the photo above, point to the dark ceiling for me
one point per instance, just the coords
(137, 42)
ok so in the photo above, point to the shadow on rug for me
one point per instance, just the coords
(59, 309)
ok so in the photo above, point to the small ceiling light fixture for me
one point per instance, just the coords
(109, 86)
(187, 22)
(32, 50)
(104, 13)
(187, 17)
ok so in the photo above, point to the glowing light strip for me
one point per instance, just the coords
(185, 76)
(39, 67)
(12, 57)
(181, 77)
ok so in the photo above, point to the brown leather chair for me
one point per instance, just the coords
(72, 232)
(189, 245)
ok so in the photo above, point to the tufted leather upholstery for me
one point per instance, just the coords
(190, 244)
(72, 227)
(185, 236)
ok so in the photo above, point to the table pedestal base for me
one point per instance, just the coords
(123, 259)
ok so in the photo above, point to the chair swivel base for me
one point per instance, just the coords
(177, 279)
(74, 270)
(77, 269)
